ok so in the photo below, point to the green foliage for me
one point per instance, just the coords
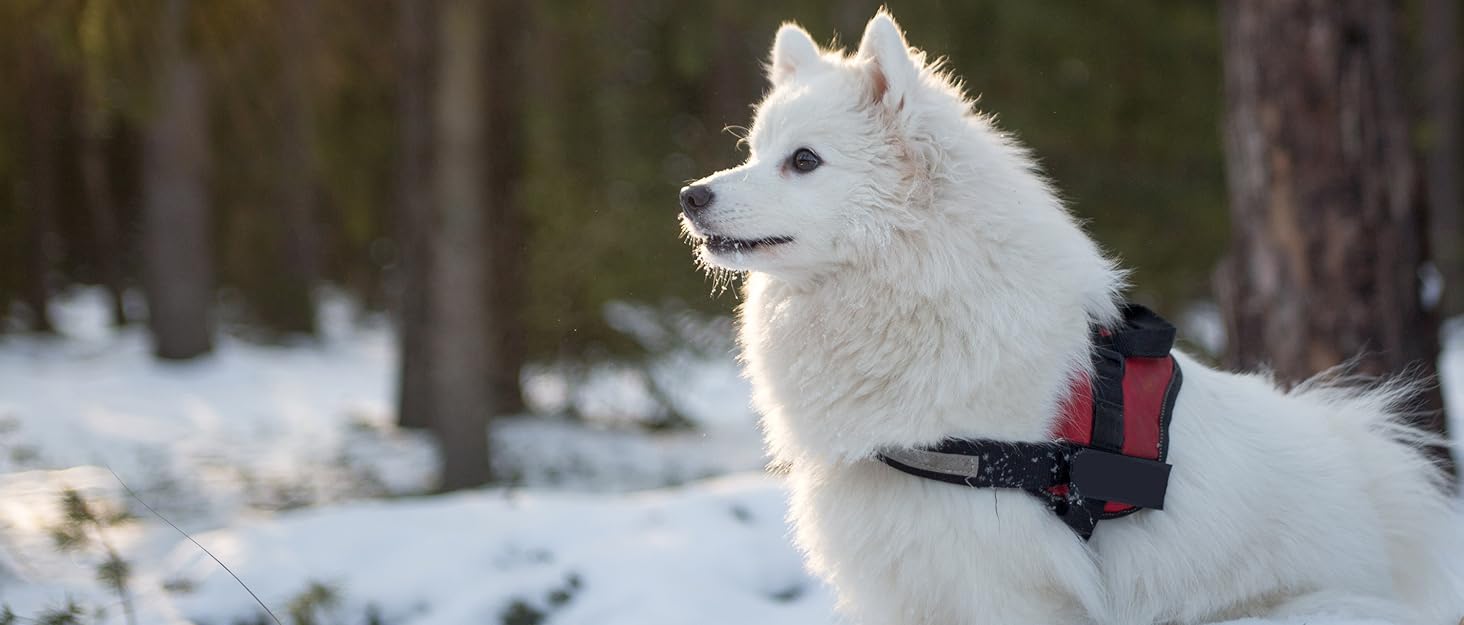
(68, 538)
(258, 619)
(69, 613)
(75, 508)
(308, 607)
(520, 612)
(559, 597)
(373, 615)
(76, 519)
(84, 524)
(624, 102)
(179, 585)
(1120, 101)
(114, 572)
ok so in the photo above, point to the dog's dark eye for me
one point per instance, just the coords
(804, 160)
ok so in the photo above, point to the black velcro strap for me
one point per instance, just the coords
(1143, 334)
(1106, 476)
(1108, 368)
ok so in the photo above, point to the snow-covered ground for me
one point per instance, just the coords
(285, 463)
(716, 553)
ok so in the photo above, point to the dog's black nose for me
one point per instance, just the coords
(695, 198)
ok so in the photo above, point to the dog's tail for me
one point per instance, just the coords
(1405, 486)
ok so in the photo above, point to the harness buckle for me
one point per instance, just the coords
(1108, 476)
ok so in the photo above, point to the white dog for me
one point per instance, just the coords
(912, 278)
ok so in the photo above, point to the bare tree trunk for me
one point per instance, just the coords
(177, 265)
(732, 81)
(1444, 161)
(416, 29)
(505, 219)
(295, 298)
(95, 124)
(459, 316)
(41, 109)
(1328, 228)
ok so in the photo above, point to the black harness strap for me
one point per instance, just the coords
(988, 464)
(1076, 481)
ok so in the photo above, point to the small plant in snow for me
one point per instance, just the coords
(68, 614)
(177, 586)
(20, 455)
(308, 607)
(521, 612)
(373, 615)
(82, 526)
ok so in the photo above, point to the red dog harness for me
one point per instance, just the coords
(1107, 456)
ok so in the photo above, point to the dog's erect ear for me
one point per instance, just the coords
(794, 52)
(894, 70)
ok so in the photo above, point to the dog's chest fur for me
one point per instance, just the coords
(916, 551)
(835, 381)
(841, 370)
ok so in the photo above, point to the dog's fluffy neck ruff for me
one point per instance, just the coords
(986, 305)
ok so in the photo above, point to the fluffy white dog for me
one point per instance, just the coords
(912, 278)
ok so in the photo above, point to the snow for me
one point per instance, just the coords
(249, 425)
(678, 556)
(716, 553)
(285, 463)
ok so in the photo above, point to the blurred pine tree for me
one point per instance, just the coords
(623, 102)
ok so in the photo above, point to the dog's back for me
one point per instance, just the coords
(1283, 501)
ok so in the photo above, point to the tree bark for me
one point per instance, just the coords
(732, 81)
(42, 106)
(504, 67)
(177, 265)
(294, 301)
(416, 28)
(1444, 159)
(1328, 226)
(95, 122)
(459, 316)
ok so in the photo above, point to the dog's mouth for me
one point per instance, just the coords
(719, 244)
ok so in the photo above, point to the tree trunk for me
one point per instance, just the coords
(505, 219)
(731, 82)
(416, 29)
(95, 125)
(1328, 226)
(177, 266)
(460, 345)
(1444, 161)
(293, 305)
(42, 106)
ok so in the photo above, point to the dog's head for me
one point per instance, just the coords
(832, 169)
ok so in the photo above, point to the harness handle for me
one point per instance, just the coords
(1142, 335)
